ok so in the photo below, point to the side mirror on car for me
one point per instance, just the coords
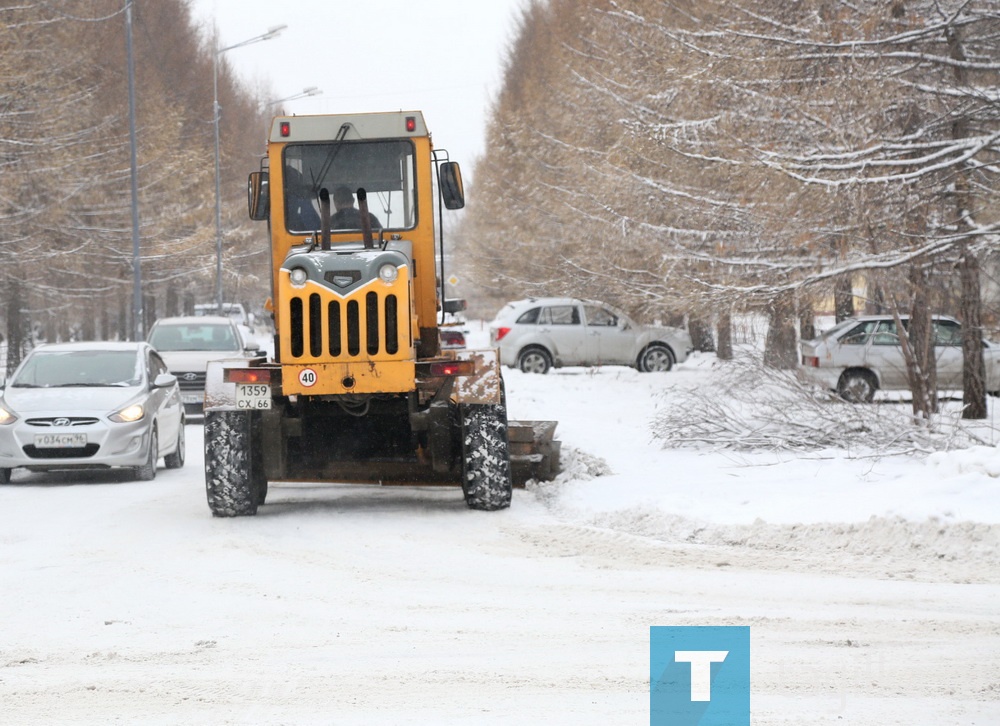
(253, 350)
(164, 380)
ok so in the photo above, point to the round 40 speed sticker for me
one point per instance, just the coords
(308, 377)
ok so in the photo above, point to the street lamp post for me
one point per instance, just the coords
(310, 91)
(271, 33)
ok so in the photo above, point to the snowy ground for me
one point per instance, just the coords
(870, 585)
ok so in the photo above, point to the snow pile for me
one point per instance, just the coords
(976, 460)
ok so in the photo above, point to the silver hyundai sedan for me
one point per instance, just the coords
(91, 405)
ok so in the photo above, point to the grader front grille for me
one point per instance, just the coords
(344, 328)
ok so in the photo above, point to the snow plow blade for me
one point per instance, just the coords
(534, 454)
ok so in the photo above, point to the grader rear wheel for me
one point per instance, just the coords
(234, 478)
(486, 476)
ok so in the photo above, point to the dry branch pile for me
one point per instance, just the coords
(749, 406)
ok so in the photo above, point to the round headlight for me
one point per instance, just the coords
(388, 273)
(298, 277)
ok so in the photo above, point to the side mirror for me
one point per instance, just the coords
(450, 184)
(258, 198)
(454, 305)
(164, 380)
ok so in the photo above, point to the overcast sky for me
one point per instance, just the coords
(442, 57)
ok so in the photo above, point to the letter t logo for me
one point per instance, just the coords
(701, 670)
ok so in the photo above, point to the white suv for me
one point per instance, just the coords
(859, 356)
(541, 333)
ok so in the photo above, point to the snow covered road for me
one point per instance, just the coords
(126, 602)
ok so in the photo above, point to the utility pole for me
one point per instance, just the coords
(137, 316)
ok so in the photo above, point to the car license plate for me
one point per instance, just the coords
(253, 396)
(60, 441)
(192, 398)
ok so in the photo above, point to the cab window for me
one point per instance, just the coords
(384, 169)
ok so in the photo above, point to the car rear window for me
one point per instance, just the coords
(529, 318)
(838, 328)
(859, 334)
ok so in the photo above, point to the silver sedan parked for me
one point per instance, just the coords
(91, 405)
(542, 333)
(860, 356)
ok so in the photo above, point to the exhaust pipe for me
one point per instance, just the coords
(324, 218)
(366, 221)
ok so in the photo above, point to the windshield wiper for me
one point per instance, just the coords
(84, 385)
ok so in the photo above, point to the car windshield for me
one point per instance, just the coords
(87, 368)
(194, 336)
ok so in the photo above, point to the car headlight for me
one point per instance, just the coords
(129, 414)
(388, 273)
(298, 277)
(6, 417)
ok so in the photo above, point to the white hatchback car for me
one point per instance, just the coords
(542, 333)
(860, 356)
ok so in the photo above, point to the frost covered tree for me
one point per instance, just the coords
(65, 200)
(717, 156)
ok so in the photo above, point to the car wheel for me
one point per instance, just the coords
(175, 460)
(534, 360)
(5, 476)
(857, 386)
(656, 359)
(147, 472)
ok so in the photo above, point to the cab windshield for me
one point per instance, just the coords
(384, 169)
